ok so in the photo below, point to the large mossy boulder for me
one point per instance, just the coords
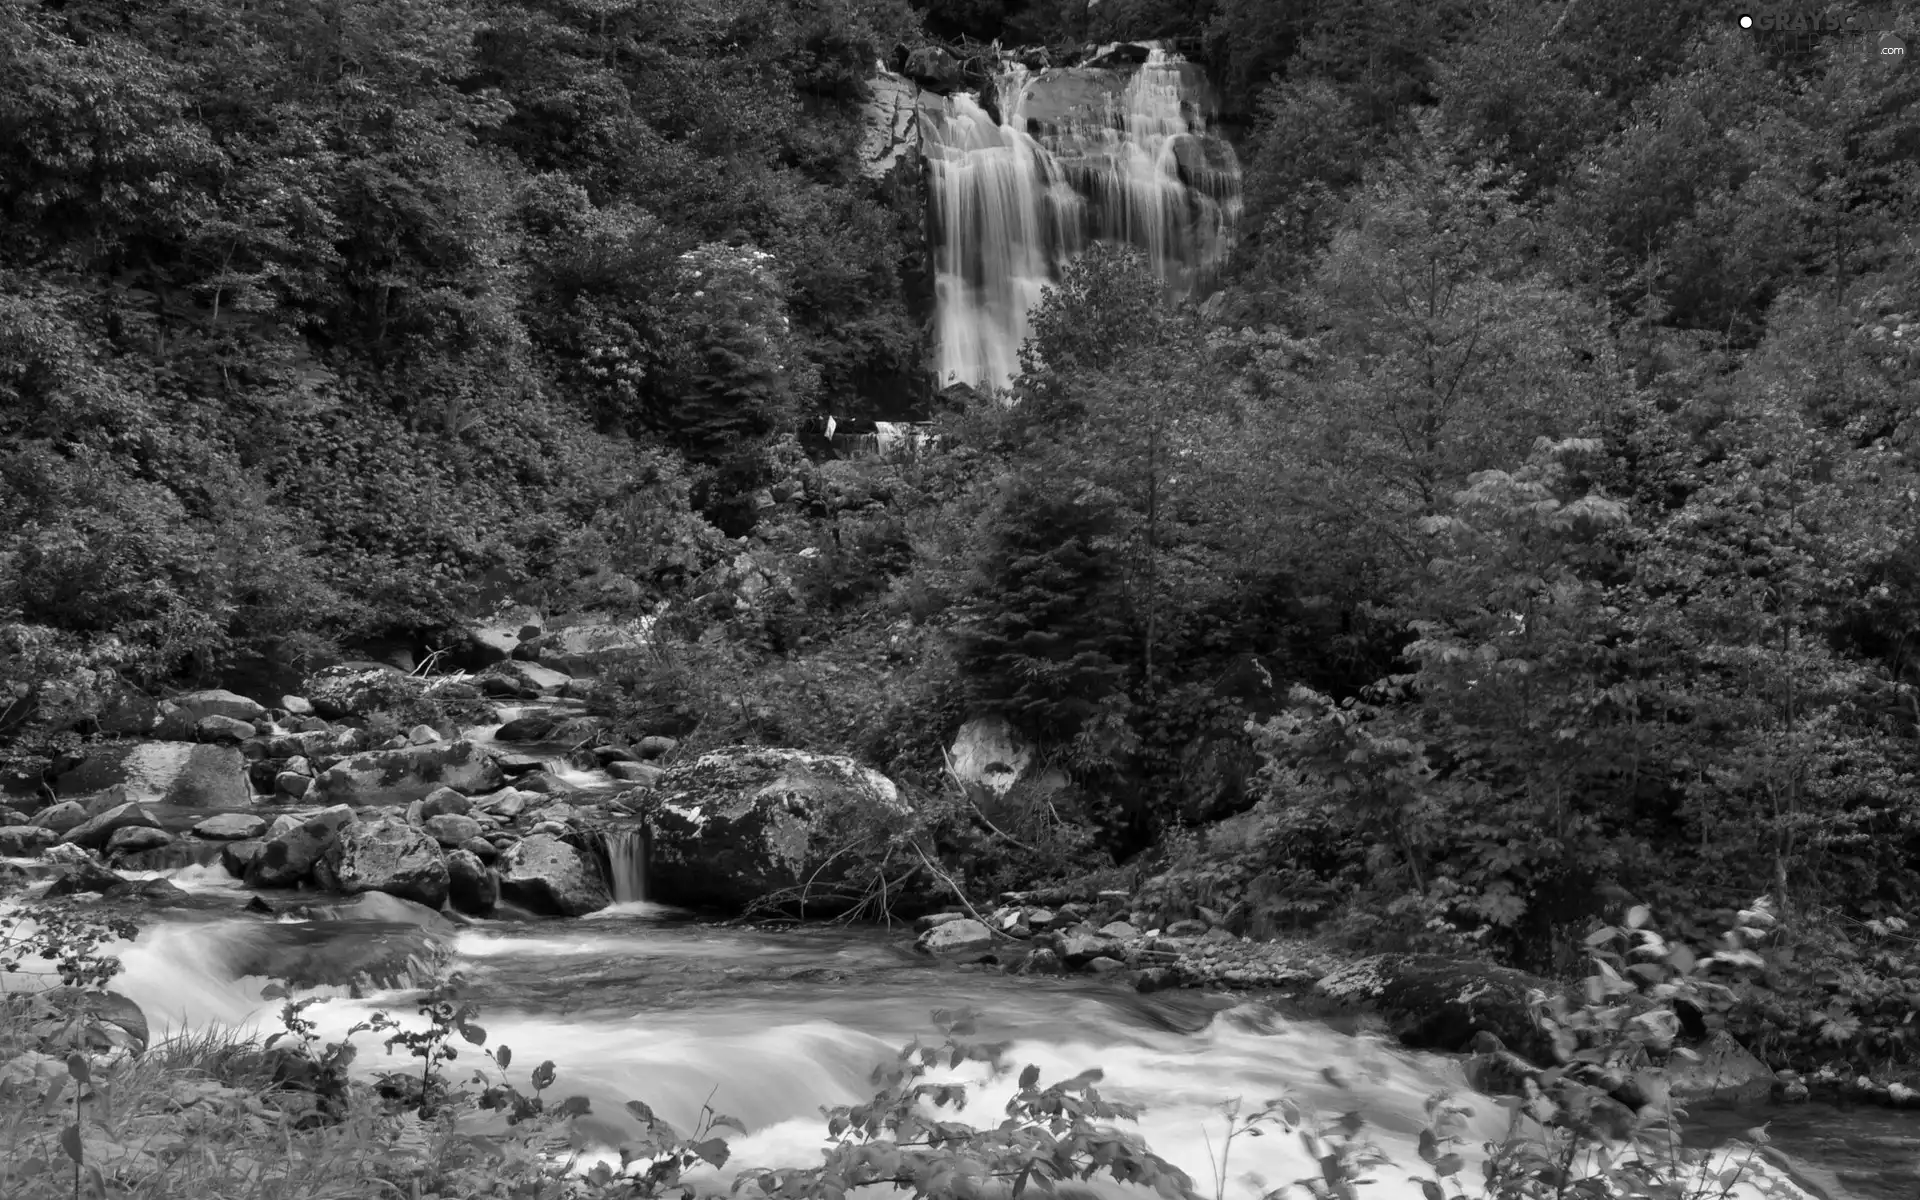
(388, 856)
(289, 855)
(745, 823)
(175, 773)
(547, 875)
(358, 688)
(407, 774)
(1431, 1002)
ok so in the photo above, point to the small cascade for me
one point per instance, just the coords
(1060, 160)
(627, 864)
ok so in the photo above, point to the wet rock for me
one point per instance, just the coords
(633, 772)
(743, 822)
(1187, 928)
(1120, 931)
(356, 689)
(541, 680)
(442, 801)
(604, 755)
(389, 856)
(934, 920)
(84, 875)
(136, 839)
(552, 877)
(1080, 946)
(95, 832)
(294, 785)
(575, 730)
(1156, 979)
(217, 702)
(451, 829)
(223, 729)
(471, 886)
(289, 857)
(1102, 965)
(25, 841)
(370, 940)
(423, 735)
(965, 940)
(515, 765)
(178, 774)
(298, 706)
(228, 827)
(508, 804)
(504, 687)
(61, 817)
(1435, 1003)
(532, 728)
(934, 69)
(398, 776)
(1725, 1072)
(654, 746)
(237, 857)
(1042, 961)
(481, 849)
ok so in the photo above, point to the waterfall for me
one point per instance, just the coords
(627, 864)
(1062, 159)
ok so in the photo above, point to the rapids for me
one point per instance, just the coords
(639, 1002)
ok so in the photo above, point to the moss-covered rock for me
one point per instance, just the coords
(742, 823)
(1435, 1003)
(407, 774)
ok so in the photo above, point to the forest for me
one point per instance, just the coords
(1527, 523)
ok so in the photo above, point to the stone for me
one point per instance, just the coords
(934, 69)
(237, 857)
(389, 856)
(988, 754)
(1432, 1002)
(230, 827)
(934, 920)
(742, 822)
(83, 875)
(1724, 1073)
(586, 646)
(575, 730)
(423, 735)
(965, 940)
(283, 823)
(290, 857)
(25, 841)
(177, 774)
(1042, 962)
(217, 728)
(506, 687)
(1187, 928)
(217, 702)
(542, 679)
(398, 776)
(356, 689)
(62, 817)
(532, 728)
(1102, 965)
(451, 829)
(297, 706)
(1156, 979)
(633, 772)
(605, 755)
(133, 839)
(481, 849)
(508, 804)
(1119, 931)
(515, 765)
(95, 832)
(444, 800)
(654, 746)
(471, 886)
(1080, 945)
(294, 785)
(552, 877)
(299, 765)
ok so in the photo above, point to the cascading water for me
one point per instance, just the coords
(627, 863)
(1076, 156)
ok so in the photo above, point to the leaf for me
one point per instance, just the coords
(474, 1034)
(575, 1106)
(1429, 1147)
(543, 1076)
(70, 1142)
(1638, 916)
(723, 1121)
(1449, 1164)
(713, 1150)
(78, 1067)
(1430, 1190)
(503, 1056)
(1029, 1077)
(641, 1112)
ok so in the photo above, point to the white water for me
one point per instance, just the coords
(627, 860)
(681, 1016)
(1079, 155)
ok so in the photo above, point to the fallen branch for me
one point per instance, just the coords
(959, 895)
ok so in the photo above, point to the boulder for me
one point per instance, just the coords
(444, 800)
(934, 69)
(1431, 1002)
(471, 886)
(533, 727)
(82, 875)
(645, 774)
(423, 735)
(370, 940)
(134, 839)
(515, 765)
(62, 817)
(356, 689)
(508, 804)
(549, 876)
(654, 746)
(230, 827)
(451, 829)
(95, 832)
(25, 841)
(217, 702)
(743, 822)
(587, 646)
(389, 856)
(178, 774)
(222, 729)
(290, 856)
(964, 940)
(294, 785)
(409, 773)
(986, 752)
(1724, 1072)
(238, 857)
(481, 849)
(297, 706)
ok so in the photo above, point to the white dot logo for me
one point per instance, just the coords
(1746, 22)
